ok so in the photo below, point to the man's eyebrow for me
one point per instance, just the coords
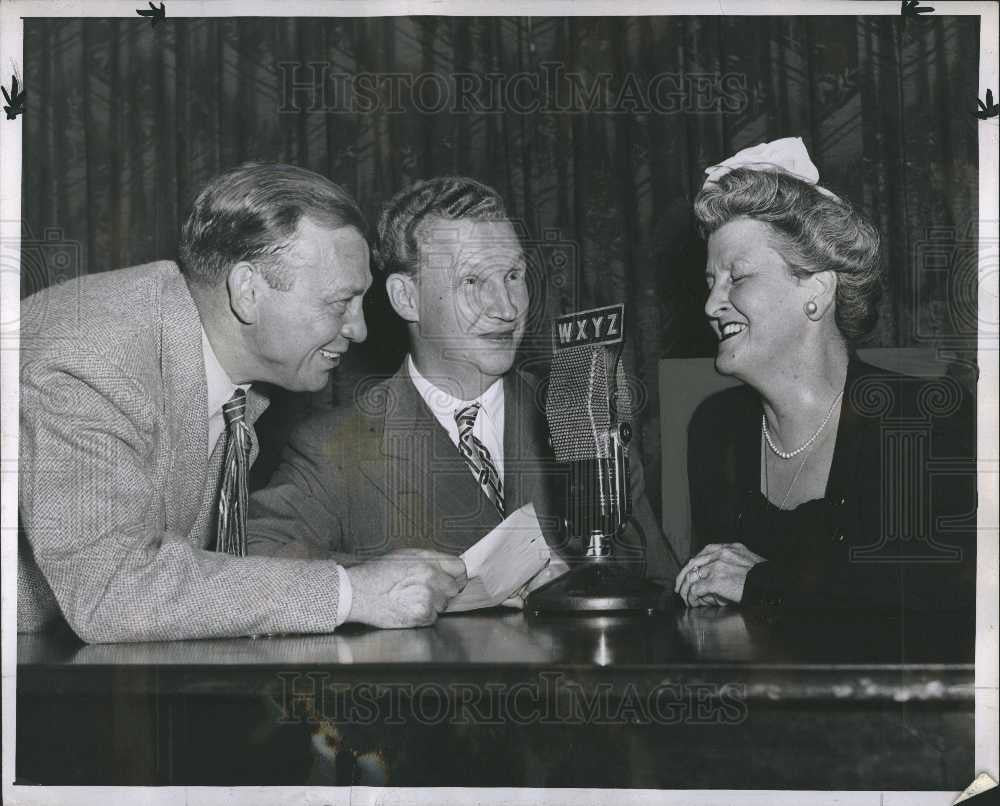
(347, 287)
(490, 261)
(341, 292)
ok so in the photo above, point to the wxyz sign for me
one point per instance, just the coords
(596, 326)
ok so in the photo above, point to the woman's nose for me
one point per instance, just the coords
(718, 300)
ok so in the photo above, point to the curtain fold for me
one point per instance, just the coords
(127, 122)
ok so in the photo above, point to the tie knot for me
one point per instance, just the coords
(466, 418)
(235, 408)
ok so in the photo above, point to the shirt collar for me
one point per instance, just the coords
(442, 404)
(220, 385)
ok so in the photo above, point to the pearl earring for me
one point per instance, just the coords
(811, 309)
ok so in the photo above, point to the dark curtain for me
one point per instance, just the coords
(126, 121)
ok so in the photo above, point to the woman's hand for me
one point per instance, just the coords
(716, 575)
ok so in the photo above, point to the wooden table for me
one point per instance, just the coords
(712, 698)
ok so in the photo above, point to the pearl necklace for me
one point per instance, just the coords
(804, 445)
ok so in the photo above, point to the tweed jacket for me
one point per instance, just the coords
(118, 494)
(358, 481)
(897, 525)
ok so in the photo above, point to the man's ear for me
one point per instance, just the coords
(241, 284)
(404, 295)
(823, 287)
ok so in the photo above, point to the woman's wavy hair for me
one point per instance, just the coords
(814, 232)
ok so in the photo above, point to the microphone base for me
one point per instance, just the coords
(600, 585)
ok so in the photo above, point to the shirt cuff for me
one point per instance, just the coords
(345, 595)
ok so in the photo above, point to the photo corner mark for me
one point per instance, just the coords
(912, 8)
(14, 105)
(988, 109)
(155, 14)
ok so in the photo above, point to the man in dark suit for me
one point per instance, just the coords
(137, 417)
(437, 455)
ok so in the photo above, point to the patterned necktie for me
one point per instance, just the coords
(477, 457)
(232, 525)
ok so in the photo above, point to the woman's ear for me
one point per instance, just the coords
(241, 284)
(404, 296)
(823, 292)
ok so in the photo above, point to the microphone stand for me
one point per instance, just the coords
(599, 582)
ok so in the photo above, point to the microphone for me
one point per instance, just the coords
(589, 411)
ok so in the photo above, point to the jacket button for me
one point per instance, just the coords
(843, 500)
(840, 538)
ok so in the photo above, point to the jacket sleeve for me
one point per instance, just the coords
(298, 513)
(95, 523)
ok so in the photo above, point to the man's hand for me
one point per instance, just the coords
(716, 576)
(406, 588)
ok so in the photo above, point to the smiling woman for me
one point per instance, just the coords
(795, 491)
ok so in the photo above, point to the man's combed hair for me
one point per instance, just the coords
(448, 197)
(814, 232)
(251, 212)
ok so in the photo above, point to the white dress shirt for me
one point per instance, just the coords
(489, 424)
(220, 388)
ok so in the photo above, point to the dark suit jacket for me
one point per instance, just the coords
(901, 494)
(356, 482)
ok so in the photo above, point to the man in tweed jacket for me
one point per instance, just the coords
(123, 378)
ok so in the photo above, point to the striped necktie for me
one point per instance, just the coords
(477, 457)
(232, 524)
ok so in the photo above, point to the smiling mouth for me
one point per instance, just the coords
(730, 329)
(329, 355)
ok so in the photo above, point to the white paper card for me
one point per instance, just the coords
(502, 562)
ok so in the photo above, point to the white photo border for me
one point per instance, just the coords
(12, 13)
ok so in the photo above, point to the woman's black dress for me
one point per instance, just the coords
(897, 525)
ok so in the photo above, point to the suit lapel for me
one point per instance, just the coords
(185, 403)
(185, 410)
(525, 443)
(426, 476)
